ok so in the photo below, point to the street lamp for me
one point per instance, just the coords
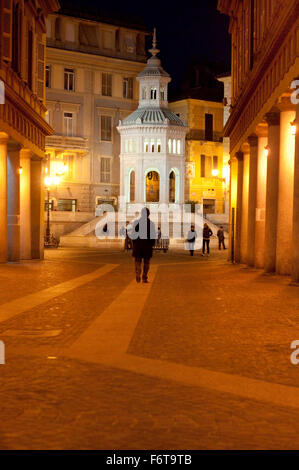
(49, 181)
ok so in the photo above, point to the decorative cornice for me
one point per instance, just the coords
(273, 118)
(13, 146)
(239, 156)
(253, 140)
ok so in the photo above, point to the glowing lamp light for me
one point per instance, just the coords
(266, 151)
(52, 181)
(48, 181)
(20, 170)
(215, 172)
(293, 128)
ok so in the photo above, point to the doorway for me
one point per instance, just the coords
(152, 186)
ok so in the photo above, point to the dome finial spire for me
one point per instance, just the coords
(154, 51)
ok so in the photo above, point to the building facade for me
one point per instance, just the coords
(91, 85)
(205, 174)
(152, 159)
(23, 127)
(263, 134)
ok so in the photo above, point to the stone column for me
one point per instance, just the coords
(3, 197)
(295, 250)
(273, 120)
(13, 202)
(285, 195)
(37, 210)
(25, 204)
(260, 203)
(252, 195)
(240, 171)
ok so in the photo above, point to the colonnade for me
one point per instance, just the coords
(21, 202)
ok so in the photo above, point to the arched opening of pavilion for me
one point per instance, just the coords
(152, 186)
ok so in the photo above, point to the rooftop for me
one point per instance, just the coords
(153, 116)
(101, 14)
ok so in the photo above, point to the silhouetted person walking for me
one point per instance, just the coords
(144, 237)
(221, 238)
(207, 233)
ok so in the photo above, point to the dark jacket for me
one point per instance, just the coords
(207, 233)
(143, 244)
(220, 234)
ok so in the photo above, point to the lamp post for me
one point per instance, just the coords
(49, 181)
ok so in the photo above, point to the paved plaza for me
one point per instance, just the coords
(199, 358)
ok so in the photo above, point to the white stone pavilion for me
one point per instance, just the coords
(152, 159)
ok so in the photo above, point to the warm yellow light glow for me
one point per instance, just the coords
(215, 172)
(62, 170)
(226, 172)
(293, 128)
(20, 170)
(46, 170)
(266, 151)
(58, 168)
(48, 181)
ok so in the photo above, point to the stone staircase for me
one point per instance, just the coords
(86, 236)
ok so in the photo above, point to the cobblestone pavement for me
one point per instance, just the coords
(198, 359)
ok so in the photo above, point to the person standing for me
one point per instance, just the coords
(207, 233)
(143, 237)
(221, 238)
(159, 238)
(191, 239)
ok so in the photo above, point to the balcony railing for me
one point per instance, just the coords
(199, 134)
(16, 83)
(65, 143)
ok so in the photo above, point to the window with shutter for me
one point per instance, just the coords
(105, 170)
(41, 71)
(69, 79)
(209, 127)
(106, 84)
(6, 28)
(128, 88)
(215, 162)
(203, 166)
(106, 128)
(16, 37)
(48, 76)
(30, 58)
(68, 124)
(208, 166)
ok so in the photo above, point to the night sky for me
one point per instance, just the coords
(187, 32)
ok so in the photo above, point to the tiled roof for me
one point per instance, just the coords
(153, 116)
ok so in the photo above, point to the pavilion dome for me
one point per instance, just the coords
(153, 68)
(153, 106)
(153, 116)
